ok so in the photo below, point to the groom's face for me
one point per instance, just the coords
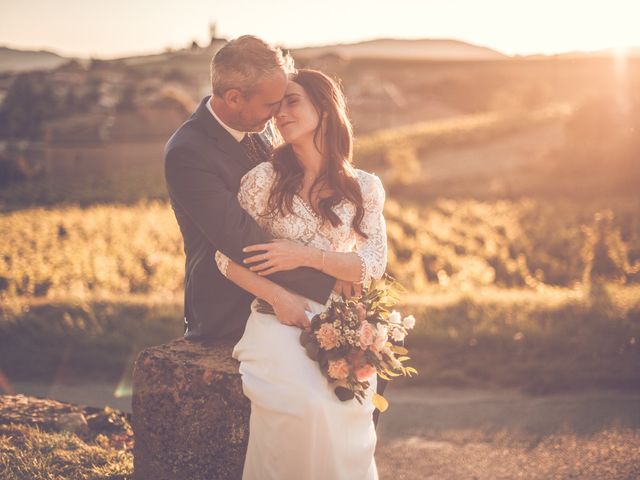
(261, 105)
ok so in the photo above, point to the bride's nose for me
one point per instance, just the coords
(281, 115)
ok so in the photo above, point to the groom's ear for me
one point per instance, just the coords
(233, 98)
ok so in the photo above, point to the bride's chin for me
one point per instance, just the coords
(289, 140)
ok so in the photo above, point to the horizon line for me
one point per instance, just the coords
(161, 50)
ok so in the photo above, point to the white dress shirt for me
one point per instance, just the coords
(237, 134)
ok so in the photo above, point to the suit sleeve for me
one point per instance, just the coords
(215, 210)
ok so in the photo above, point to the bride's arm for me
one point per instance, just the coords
(345, 266)
(249, 281)
(370, 258)
(288, 307)
(368, 261)
(282, 254)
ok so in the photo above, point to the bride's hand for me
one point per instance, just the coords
(276, 256)
(289, 309)
(347, 289)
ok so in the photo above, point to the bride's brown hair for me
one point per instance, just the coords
(333, 137)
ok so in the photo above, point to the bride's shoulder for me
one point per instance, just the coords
(261, 174)
(264, 168)
(370, 184)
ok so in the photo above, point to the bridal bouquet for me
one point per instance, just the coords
(356, 338)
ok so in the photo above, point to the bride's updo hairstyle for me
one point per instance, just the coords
(333, 137)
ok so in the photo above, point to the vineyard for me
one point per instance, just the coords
(534, 283)
(461, 244)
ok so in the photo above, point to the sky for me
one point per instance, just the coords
(113, 28)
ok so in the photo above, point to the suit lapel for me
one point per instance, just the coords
(225, 141)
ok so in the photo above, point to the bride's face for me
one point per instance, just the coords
(297, 118)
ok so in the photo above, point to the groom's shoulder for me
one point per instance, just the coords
(185, 137)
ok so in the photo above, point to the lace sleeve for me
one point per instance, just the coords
(254, 191)
(223, 262)
(372, 250)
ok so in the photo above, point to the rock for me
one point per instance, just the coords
(190, 417)
(41, 412)
(54, 416)
(72, 422)
(107, 420)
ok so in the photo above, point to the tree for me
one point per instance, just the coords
(24, 108)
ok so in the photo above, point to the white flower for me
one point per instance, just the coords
(394, 317)
(397, 335)
(409, 321)
(381, 337)
(395, 363)
(381, 330)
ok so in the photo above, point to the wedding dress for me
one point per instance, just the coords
(299, 429)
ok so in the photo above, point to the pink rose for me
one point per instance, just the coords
(327, 336)
(365, 372)
(338, 369)
(366, 334)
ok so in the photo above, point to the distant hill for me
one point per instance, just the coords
(427, 49)
(609, 52)
(631, 52)
(24, 60)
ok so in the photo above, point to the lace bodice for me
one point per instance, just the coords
(304, 226)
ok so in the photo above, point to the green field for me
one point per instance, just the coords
(548, 340)
(531, 289)
(137, 249)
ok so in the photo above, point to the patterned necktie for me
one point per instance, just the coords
(255, 149)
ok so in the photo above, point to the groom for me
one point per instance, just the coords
(204, 162)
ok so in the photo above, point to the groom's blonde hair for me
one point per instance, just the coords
(244, 61)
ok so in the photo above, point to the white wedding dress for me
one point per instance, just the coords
(299, 429)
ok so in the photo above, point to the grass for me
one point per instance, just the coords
(28, 453)
(71, 338)
(547, 342)
(384, 148)
(540, 341)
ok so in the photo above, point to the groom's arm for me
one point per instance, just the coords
(215, 210)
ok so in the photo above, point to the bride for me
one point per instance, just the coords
(324, 214)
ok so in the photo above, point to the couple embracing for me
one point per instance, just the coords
(271, 207)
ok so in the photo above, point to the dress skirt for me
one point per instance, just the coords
(299, 429)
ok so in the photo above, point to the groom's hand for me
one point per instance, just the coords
(347, 289)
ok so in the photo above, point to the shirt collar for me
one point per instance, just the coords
(237, 134)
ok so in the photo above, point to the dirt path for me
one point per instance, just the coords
(439, 433)
(472, 434)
